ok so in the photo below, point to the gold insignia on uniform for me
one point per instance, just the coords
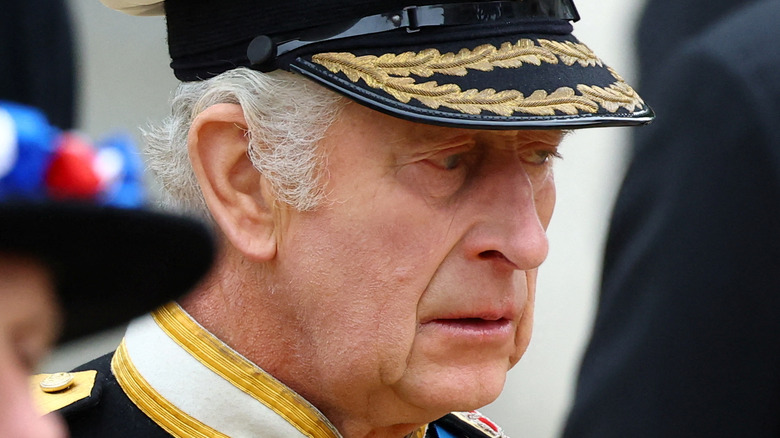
(393, 74)
(56, 382)
(55, 391)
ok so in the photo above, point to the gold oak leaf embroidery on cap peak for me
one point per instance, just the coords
(570, 52)
(392, 73)
(613, 97)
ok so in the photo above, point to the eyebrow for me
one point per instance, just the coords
(439, 137)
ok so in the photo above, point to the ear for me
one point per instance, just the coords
(236, 193)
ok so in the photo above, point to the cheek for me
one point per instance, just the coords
(362, 273)
(388, 239)
(525, 326)
(359, 268)
(544, 199)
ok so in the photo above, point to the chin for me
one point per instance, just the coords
(459, 389)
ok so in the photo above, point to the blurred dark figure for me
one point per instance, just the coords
(686, 341)
(666, 24)
(36, 57)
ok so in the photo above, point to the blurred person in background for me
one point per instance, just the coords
(79, 253)
(37, 61)
(686, 340)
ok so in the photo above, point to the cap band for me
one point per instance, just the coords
(264, 48)
(492, 64)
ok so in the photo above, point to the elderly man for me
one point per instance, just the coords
(380, 177)
(77, 254)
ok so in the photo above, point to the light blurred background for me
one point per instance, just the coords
(125, 83)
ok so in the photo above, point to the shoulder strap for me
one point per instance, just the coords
(52, 392)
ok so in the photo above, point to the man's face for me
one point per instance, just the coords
(411, 289)
(28, 318)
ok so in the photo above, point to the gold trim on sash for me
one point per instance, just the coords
(241, 373)
(175, 421)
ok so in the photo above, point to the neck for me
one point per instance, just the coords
(245, 312)
(234, 304)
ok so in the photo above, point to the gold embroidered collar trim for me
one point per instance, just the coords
(175, 421)
(392, 74)
(228, 364)
(242, 373)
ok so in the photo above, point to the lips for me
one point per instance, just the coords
(475, 315)
(478, 329)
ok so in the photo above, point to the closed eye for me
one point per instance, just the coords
(451, 158)
(539, 157)
(452, 162)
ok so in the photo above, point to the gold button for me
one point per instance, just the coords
(56, 382)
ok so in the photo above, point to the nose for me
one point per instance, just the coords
(513, 208)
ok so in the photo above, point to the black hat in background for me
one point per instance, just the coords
(507, 64)
(80, 209)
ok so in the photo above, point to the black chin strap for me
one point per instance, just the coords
(264, 48)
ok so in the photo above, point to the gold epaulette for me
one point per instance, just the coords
(51, 392)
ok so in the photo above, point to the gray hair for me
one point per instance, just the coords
(286, 117)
